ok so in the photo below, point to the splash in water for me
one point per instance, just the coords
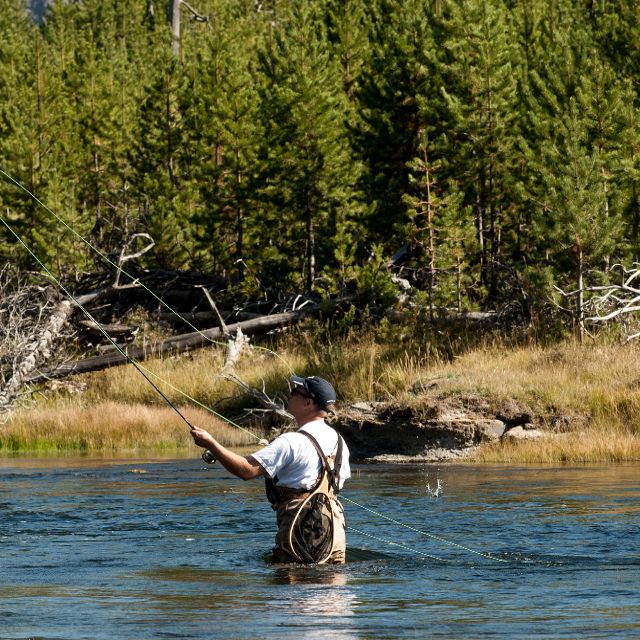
(434, 492)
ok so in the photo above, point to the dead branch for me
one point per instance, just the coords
(234, 350)
(126, 257)
(614, 302)
(195, 15)
(114, 330)
(214, 308)
(260, 396)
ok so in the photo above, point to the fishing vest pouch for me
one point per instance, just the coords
(311, 533)
(277, 494)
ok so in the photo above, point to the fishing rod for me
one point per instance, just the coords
(207, 455)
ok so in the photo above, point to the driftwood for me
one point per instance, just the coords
(36, 350)
(176, 344)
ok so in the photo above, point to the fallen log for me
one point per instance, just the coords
(176, 344)
(114, 330)
(201, 317)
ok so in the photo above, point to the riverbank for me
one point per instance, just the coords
(565, 403)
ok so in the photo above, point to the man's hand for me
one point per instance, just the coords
(202, 437)
(243, 467)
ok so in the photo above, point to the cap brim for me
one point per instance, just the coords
(297, 381)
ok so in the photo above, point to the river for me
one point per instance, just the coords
(116, 549)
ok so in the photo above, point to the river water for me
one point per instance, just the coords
(118, 549)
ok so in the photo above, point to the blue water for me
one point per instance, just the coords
(111, 549)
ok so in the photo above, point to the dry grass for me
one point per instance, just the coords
(591, 446)
(110, 426)
(120, 410)
(197, 376)
(601, 382)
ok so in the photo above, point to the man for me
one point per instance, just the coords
(303, 471)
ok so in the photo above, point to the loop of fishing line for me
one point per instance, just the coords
(397, 544)
(146, 373)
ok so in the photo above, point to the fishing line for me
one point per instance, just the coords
(203, 406)
(146, 372)
(424, 533)
(133, 278)
(143, 370)
(397, 544)
(90, 317)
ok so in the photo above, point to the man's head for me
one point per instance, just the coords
(317, 397)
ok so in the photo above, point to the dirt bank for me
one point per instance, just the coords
(442, 429)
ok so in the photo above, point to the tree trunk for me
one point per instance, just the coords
(580, 295)
(431, 240)
(174, 20)
(311, 256)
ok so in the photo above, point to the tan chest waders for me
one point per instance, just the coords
(307, 520)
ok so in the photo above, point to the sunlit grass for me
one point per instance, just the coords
(197, 378)
(110, 426)
(120, 409)
(591, 446)
(600, 382)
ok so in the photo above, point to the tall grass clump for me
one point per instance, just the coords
(584, 447)
(108, 427)
(363, 365)
(196, 378)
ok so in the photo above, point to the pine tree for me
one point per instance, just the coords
(15, 64)
(222, 132)
(439, 233)
(483, 107)
(384, 135)
(576, 202)
(306, 174)
(578, 110)
(36, 151)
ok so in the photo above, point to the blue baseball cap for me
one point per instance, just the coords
(320, 391)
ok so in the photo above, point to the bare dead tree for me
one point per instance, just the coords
(33, 319)
(126, 257)
(267, 404)
(613, 303)
(235, 348)
(174, 19)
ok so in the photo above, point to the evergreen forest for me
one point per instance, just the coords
(487, 151)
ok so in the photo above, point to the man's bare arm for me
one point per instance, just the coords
(245, 467)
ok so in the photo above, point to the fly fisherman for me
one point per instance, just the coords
(303, 471)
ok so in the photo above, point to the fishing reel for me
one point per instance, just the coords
(207, 456)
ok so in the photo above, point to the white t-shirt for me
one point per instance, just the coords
(293, 458)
